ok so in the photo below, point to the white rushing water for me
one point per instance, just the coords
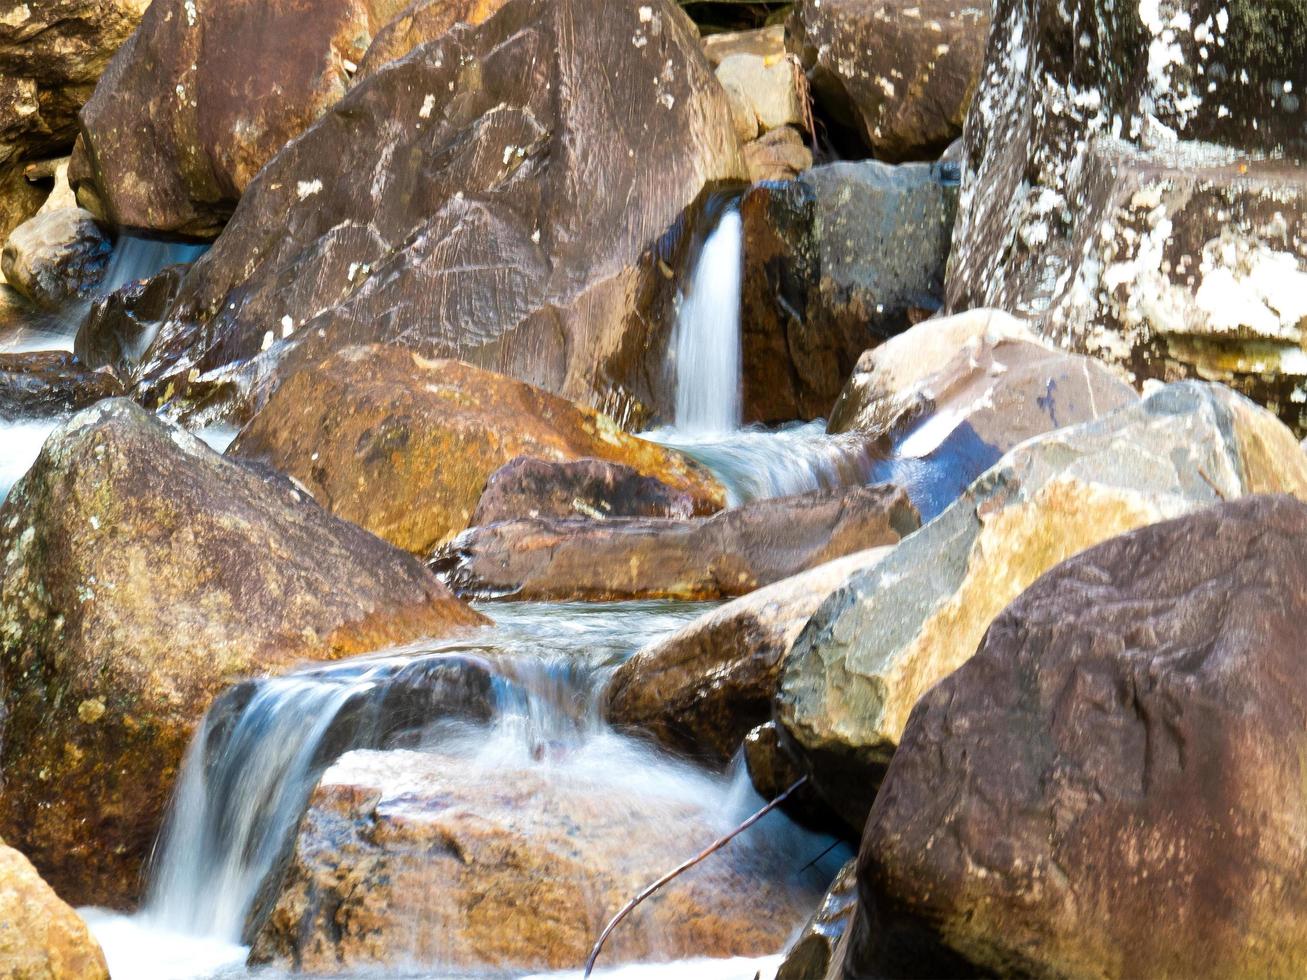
(20, 443)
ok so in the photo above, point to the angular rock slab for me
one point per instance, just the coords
(1107, 788)
(40, 936)
(456, 204)
(45, 383)
(888, 635)
(404, 446)
(405, 857)
(141, 574)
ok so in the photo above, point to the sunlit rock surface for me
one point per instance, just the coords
(1107, 788)
(41, 938)
(404, 446)
(495, 197)
(888, 635)
(413, 857)
(142, 573)
(419, 22)
(897, 75)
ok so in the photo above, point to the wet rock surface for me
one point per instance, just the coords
(40, 936)
(408, 856)
(142, 574)
(49, 383)
(894, 76)
(404, 446)
(889, 634)
(836, 261)
(818, 947)
(118, 327)
(1104, 789)
(56, 256)
(729, 554)
(502, 224)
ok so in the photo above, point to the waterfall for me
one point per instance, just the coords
(706, 339)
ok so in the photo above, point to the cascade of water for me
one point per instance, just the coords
(706, 339)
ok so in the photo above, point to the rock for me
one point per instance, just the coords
(404, 446)
(420, 22)
(51, 54)
(816, 949)
(1091, 206)
(203, 95)
(593, 488)
(120, 326)
(142, 574)
(56, 256)
(889, 634)
(835, 261)
(729, 554)
(499, 224)
(45, 383)
(405, 857)
(947, 398)
(702, 689)
(773, 770)
(41, 938)
(779, 154)
(767, 43)
(897, 75)
(1103, 790)
(765, 93)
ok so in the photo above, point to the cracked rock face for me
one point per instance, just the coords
(495, 197)
(1113, 785)
(889, 634)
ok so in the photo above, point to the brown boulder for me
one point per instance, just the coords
(453, 203)
(418, 23)
(779, 154)
(702, 689)
(142, 574)
(729, 554)
(41, 938)
(56, 256)
(1106, 788)
(594, 488)
(120, 325)
(407, 857)
(897, 75)
(47, 383)
(404, 446)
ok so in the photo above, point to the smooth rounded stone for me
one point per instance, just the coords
(420, 22)
(593, 488)
(897, 75)
(41, 938)
(766, 93)
(1106, 788)
(836, 261)
(56, 256)
(947, 398)
(47, 383)
(818, 947)
(452, 203)
(779, 154)
(1128, 212)
(725, 555)
(143, 573)
(890, 634)
(701, 690)
(119, 327)
(403, 446)
(203, 95)
(767, 43)
(408, 857)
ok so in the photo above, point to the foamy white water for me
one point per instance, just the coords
(706, 340)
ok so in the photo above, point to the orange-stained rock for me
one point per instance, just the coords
(406, 856)
(404, 446)
(420, 22)
(140, 574)
(41, 938)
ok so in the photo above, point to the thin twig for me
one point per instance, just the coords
(711, 848)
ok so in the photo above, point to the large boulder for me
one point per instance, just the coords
(1090, 204)
(41, 938)
(404, 446)
(45, 383)
(56, 256)
(407, 857)
(895, 77)
(701, 690)
(1105, 789)
(836, 261)
(888, 635)
(142, 574)
(418, 23)
(203, 95)
(455, 204)
(729, 554)
(946, 399)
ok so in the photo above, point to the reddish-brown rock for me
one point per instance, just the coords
(41, 938)
(49, 383)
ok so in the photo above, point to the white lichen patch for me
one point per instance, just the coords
(307, 188)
